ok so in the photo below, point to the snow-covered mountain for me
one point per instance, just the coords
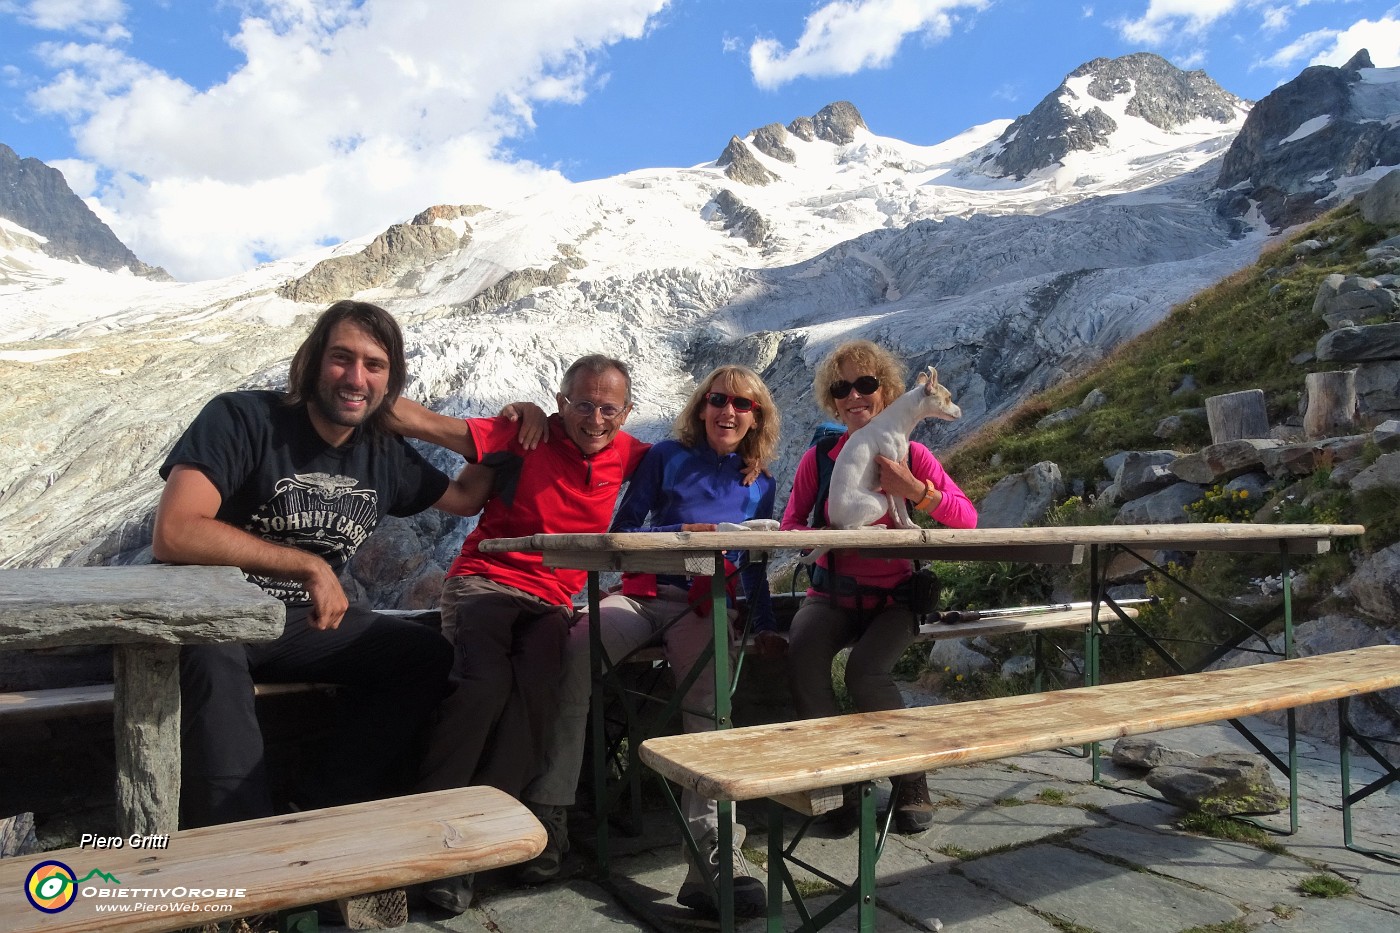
(1008, 256)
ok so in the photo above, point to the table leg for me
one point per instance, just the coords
(146, 723)
(719, 616)
(597, 702)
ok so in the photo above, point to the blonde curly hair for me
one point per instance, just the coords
(761, 443)
(868, 359)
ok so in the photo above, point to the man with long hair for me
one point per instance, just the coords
(286, 486)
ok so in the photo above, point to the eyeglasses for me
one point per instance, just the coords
(865, 385)
(585, 409)
(719, 400)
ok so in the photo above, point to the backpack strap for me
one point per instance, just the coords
(824, 467)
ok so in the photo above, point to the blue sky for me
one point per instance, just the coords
(213, 134)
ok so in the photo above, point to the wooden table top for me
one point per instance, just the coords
(783, 758)
(1050, 545)
(162, 603)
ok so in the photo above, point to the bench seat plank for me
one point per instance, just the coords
(36, 705)
(785, 758)
(289, 861)
(1010, 625)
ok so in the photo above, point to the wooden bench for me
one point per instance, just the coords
(801, 765)
(58, 702)
(276, 863)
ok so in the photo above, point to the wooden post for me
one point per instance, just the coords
(1237, 416)
(1331, 403)
(146, 720)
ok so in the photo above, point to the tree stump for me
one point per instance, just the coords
(1237, 416)
(1331, 403)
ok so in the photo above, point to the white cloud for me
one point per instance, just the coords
(340, 114)
(1167, 19)
(846, 36)
(1381, 38)
(93, 18)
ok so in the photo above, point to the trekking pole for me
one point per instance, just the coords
(972, 615)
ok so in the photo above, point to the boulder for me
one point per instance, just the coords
(1352, 299)
(1384, 473)
(1378, 387)
(1376, 584)
(958, 656)
(1219, 463)
(1381, 203)
(1143, 753)
(1145, 471)
(1164, 507)
(1387, 435)
(1221, 785)
(1360, 344)
(1022, 498)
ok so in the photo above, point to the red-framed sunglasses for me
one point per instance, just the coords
(719, 400)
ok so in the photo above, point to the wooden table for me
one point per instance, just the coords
(146, 612)
(702, 554)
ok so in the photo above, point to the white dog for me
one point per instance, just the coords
(855, 499)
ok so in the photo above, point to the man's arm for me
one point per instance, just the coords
(467, 494)
(187, 532)
(411, 419)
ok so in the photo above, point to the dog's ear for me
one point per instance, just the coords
(921, 379)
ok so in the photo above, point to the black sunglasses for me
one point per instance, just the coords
(719, 400)
(865, 385)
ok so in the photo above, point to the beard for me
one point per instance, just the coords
(329, 404)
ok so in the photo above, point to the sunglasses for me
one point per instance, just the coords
(719, 400)
(865, 385)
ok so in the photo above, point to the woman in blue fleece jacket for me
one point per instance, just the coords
(715, 470)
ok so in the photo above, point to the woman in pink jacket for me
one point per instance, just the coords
(854, 600)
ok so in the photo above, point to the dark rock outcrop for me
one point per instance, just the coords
(771, 141)
(1288, 179)
(740, 164)
(740, 219)
(1162, 94)
(37, 197)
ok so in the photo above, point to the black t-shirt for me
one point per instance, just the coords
(280, 481)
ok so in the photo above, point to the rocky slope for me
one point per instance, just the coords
(37, 197)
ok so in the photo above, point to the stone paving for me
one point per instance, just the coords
(1023, 845)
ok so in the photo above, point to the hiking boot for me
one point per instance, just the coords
(845, 819)
(700, 889)
(453, 895)
(546, 866)
(913, 810)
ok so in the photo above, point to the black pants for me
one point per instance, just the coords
(397, 674)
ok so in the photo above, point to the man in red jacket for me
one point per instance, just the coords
(507, 614)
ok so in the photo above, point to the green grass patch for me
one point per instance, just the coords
(1324, 886)
(1052, 795)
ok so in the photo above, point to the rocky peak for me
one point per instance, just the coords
(1302, 137)
(834, 123)
(771, 140)
(37, 197)
(741, 165)
(1160, 93)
